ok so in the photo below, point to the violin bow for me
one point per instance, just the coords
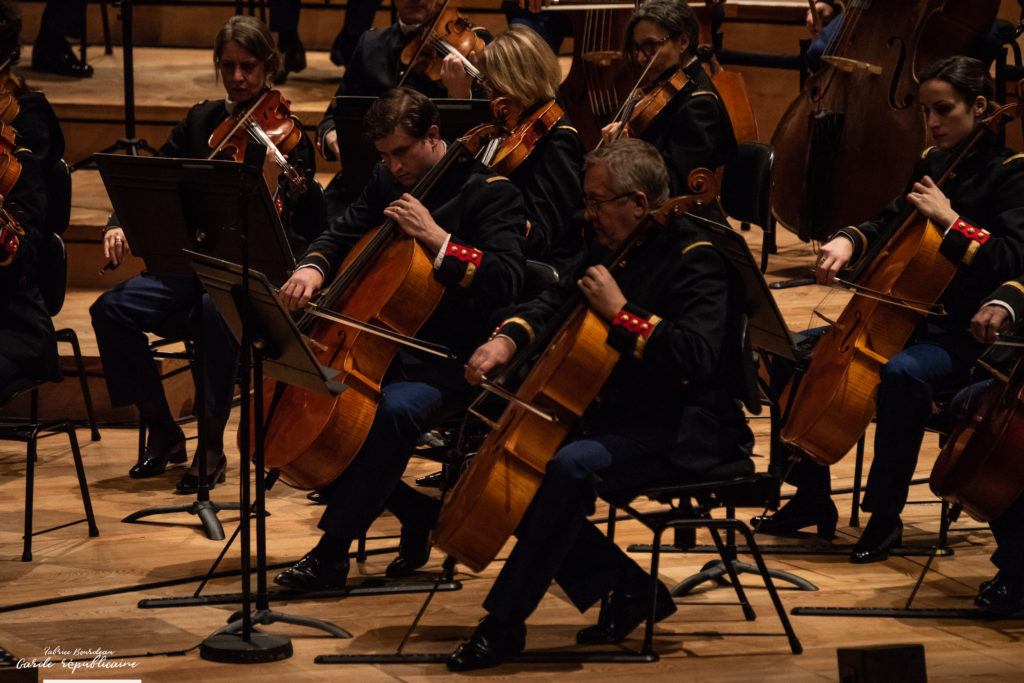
(622, 115)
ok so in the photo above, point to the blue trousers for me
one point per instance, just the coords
(1008, 529)
(555, 539)
(174, 307)
(366, 487)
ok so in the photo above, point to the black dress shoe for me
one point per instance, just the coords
(625, 611)
(154, 460)
(55, 56)
(413, 552)
(431, 481)
(881, 535)
(189, 483)
(294, 58)
(315, 573)
(316, 497)
(491, 644)
(796, 515)
(1001, 595)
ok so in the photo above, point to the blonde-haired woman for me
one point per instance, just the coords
(520, 66)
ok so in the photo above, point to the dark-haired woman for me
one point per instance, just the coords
(693, 130)
(980, 210)
(176, 307)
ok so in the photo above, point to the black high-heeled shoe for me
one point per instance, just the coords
(796, 515)
(155, 460)
(189, 483)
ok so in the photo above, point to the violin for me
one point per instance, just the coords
(896, 283)
(644, 110)
(981, 466)
(523, 133)
(10, 83)
(490, 498)
(10, 170)
(448, 33)
(267, 121)
(386, 284)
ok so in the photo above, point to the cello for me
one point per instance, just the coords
(855, 123)
(492, 495)
(832, 403)
(385, 290)
(981, 467)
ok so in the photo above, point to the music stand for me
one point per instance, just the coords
(248, 303)
(168, 205)
(358, 157)
(130, 143)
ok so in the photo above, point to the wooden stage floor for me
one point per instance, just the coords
(707, 639)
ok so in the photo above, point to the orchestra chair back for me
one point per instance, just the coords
(746, 192)
(53, 268)
(53, 261)
(689, 505)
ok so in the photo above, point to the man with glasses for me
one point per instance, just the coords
(667, 412)
(693, 130)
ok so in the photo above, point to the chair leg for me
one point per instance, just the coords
(83, 485)
(30, 471)
(652, 607)
(727, 562)
(794, 642)
(108, 46)
(68, 335)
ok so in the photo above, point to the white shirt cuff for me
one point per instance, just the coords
(313, 265)
(442, 251)
(950, 227)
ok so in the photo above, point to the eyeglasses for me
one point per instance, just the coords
(649, 47)
(592, 204)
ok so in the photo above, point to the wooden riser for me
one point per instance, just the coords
(196, 24)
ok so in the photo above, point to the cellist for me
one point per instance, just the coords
(472, 223)
(981, 211)
(176, 306)
(666, 412)
(1000, 314)
(693, 130)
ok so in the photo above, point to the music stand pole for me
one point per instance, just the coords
(129, 144)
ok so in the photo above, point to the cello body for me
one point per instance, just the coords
(981, 467)
(855, 123)
(492, 495)
(312, 437)
(834, 400)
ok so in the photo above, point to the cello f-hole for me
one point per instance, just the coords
(854, 329)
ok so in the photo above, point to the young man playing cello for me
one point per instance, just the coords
(472, 224)
(666, 412)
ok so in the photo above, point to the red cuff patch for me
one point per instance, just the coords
(466, 254)
(633, 323)
(970, 232)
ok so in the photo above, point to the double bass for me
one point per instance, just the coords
(492, 495)
(855, 123)
(899, 281)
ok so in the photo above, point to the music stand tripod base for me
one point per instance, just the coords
(259, 648)
(206, 510)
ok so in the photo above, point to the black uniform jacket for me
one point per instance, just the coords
(26, 330)
(376, 66)
(987, 242)
(679, 338)
(482, 268)
(693, 130)
(302, 217)
(550, 180)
